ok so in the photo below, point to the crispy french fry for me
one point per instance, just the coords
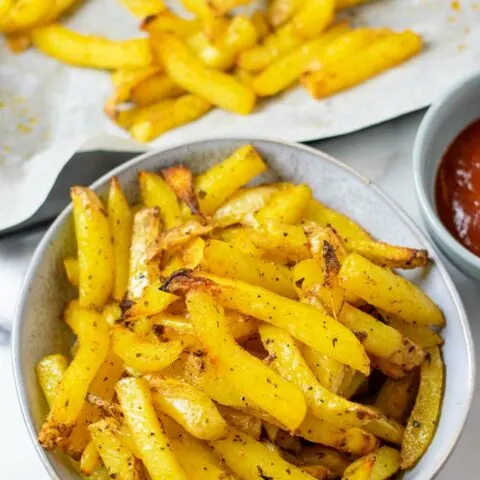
(112, 313)
(193, 253)
(189, 407)
(353, 383)
(118, 460)
(242, 421)
(184, 109)
(71, 269)
(381, 55)
(90, 460)
(143, 271)
(252, 460)
(389, 369)
(313, 17)
(384, 289)
(378, 465)
(225, 260)
(280, 11)
(143, 355)
(50, 370)
(222, 180)
(325, 405)
(352, 440)
(248, 374)
(239, 237)
(121, 219)
(180, 180)
(89, 50)
(144, 8)
(385, 428)
(155, 88)
(126, 118)
(214, 87)
(22, 15)
(320, 455)
(92, 332)
(424, 417)
(261, 24)
(171, 23)
(152, 444)
(94, 245)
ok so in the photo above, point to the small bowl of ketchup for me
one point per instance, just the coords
(446, 166)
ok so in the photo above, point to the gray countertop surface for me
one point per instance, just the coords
(382, 153)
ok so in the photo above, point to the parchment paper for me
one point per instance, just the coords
(48, 110)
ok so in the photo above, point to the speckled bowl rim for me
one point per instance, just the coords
(452, 246)
(37, 256)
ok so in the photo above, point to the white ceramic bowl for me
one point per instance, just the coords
(38, 330)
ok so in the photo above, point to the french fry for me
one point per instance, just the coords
(224, 6)
(5, 6)
(126, 118)
(424, 417)
(222, 180)
(389, 369)
(214, 87)
(242, 421)
(280, 11)
(384, 289)
(313, 17)
(144, 8)
(143, 271)
(143, 355)
(320, 455)
(153, 446)
(248, 374)
(325, 405)
(381, 55)
(89, 50)
(118, 460)
(94, 246)
(378, 465)
(155, 88)
(385, 428)
(286, 205)
(225, 260)
(239, 237)
(171, 23)
(193, 253)
(121, 219)
(251, 460)
(112, 313)
(90, 459)
(92, 332)
(50, 370)
(184, 109)
(261, 24)
(21, 16)
(352, 440)
(189, 407)
(17, 42)
(71, 270)
(180, 180)
(352, 383)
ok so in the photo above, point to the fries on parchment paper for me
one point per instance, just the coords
(184, 67)
(226, 331)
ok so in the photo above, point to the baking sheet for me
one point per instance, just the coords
(48, 110)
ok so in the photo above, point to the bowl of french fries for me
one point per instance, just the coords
(238, 309)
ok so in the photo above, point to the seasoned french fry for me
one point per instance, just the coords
(21, 16)
(313, 17)
(243, 422)
(222, 180)
(280, 11)
(184, 109)
(171, 23)
(126, 118)
(153, 446)
(378, 465)
(384, 289)
(121, 219)
(143, 271)
(389, 369)
(90, 459)
(225, 260)
(381, 55)
(320, 455)
(239, 237)
(353, 383)
(325, 405)
(424, 417)
(50, 370)
(248, 374)
(118, 460)
(155, 88)
(71, 269)
(385, 428)
(89, 50)
(180, 180)
(92, 332)
(193, 253)
(95, 250)
(144, 8)
(143, 355)
(189, 407)
(251, 460)
(214, 87)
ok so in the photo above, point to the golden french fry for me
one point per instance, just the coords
(242, 421)
(251, 460)
(90, 460)
(193, 253)
(152, 444)
(143, 271)
(94, 245)
(389, 369)
(89, 50)
(325, 405)
(71, 269)
(424, 417)
(214, 87)
(5, 6)
(222, 180)
(261, 24)
(171, 23)
(143, 355)
(280, 11)
(384, 289)
(121, 219)
(225, 260)
(224, 6)
(50, 370)
(248, 374)
(378, 465)
(385, 428)
(155, 88)
(239, 237)
(313, 17)
(17, 42)
(382, 54)
(92, 332)
(22, 15)
(188, 406)
(180, 180)
(353, 383)
(184, 109)
(126, 118)
(320, 455)
(144, 8)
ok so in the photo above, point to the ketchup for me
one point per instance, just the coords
(457, 188)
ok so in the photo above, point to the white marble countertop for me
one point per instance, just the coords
(382, 153)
